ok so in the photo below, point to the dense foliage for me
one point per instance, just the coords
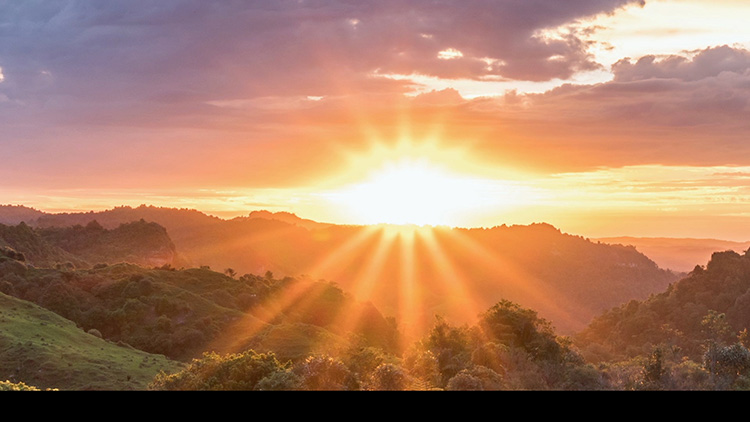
(243, 371)
(79, 246)
(693, 335)
(24, 240)
(137, 242)
(178, 313)
(510, 348)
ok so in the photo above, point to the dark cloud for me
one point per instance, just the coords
(145, 68)
(711, 62)
(128, 50)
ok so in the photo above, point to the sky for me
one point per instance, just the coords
(601, 117)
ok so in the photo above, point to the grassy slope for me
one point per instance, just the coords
(42, 349)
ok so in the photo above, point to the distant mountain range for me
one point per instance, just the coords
(680, 255)
(411, 274)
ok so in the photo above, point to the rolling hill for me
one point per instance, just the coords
(44, 350)
(410, 273)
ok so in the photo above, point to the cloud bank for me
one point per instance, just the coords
(267, 93)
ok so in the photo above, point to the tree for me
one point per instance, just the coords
(423, 367)
(243, 371)
(509, 324)
(476, 378)
(654, 371)
(451, 346)
(716, 327)
(388, 377)
(464, 381)
(325, 373)
(727, 363)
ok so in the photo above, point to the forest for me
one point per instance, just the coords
(99, 303)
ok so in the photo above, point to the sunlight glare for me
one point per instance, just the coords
(413, 192)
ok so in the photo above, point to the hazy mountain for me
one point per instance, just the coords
(14, 214)
(678, 254)
(411, 273)
(286, 217)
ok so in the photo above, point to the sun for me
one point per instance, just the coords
(412, 192)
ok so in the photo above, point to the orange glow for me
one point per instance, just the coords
(412, 192)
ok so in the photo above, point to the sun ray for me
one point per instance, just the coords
(254, 320)
(373, 268)
(520, 284)
(251, 245)
(456, 299)
(338, 259)
(368, 278)
(408, 305)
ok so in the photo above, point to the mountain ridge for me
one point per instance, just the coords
(678, 254)
(454, 271)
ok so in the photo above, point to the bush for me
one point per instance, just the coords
(464, 381)
(95, 332)
(325, 373)
(9, 386)
(243, 371)
(388, 377)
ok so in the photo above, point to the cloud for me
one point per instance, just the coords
(677, 110)
(443, 97)
(711, 62)
(129, 50)
(269, 93)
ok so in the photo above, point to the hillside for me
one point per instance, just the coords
(42, 349)
(454, 272)
(711, 303)
(79, 246)
(182, 313)
(137, 242)
(14, 214)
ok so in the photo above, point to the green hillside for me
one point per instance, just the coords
(183, 313)
(694, 335)
(41, 349)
